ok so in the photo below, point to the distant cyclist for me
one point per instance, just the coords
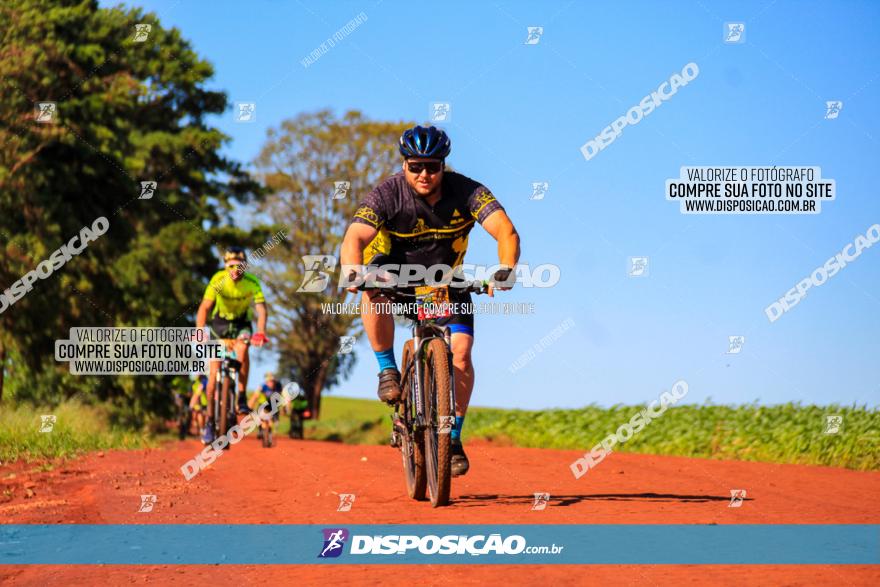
(422, 216)
(299, 410)
(184, 413)
(228, 297)
(300, 403)
(271, 387)
(198, 402)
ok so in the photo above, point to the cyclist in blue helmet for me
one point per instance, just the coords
(423, 215)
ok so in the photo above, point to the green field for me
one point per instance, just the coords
(786, 433)
(348, 420)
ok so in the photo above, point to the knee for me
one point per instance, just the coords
(462, 361)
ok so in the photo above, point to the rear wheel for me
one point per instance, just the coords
(412, 447)
(439, 415)
(223, 423)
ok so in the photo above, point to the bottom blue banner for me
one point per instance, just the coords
(439, 544)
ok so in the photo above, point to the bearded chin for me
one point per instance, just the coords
(433, 192)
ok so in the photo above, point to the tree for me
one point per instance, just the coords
(300, 165)
(126, 111)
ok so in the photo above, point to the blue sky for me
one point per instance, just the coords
(520, 114)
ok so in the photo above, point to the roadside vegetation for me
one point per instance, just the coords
(77, 428)
(786, 433)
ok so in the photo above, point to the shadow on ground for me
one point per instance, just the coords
(567, 500)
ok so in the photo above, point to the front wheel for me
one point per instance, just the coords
(224, 420)
(439, 415)
(412, 447)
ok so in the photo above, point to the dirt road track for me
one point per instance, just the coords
(305, 478)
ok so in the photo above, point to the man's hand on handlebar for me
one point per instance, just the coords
(371, 280)
(503, 280)
(356, 275)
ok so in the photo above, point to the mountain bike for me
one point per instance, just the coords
(260, 405)
(267, 433)
(225, 389)
(423, 419)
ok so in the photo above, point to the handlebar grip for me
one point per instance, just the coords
(478, 287)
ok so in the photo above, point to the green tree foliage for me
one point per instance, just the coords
(127, 112)
(299, 164)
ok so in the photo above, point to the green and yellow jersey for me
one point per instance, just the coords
(198, 392)
(232, 299)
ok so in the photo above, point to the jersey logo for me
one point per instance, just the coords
(368, 214)
(481, 201)
(420, 227)
(456, 218)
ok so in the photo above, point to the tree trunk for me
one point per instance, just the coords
(316, 386)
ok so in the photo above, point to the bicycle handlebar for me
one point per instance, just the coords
(394, 292)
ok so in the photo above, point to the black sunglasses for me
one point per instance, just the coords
(432, 167)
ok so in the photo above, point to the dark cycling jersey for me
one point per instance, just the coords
(417, 233)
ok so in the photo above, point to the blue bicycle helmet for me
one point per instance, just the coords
(425, 143)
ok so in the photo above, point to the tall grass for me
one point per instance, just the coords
(77, 428)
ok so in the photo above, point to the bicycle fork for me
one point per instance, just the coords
(447, 336)
(417, 375)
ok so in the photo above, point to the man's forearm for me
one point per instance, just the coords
(352, 252)
(262, 314)
(201, 317)
(508, 249)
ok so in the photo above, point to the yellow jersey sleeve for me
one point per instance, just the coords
(259, 298)
(214, 286)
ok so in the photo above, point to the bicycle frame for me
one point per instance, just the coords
(422, 333)
(428, 412)
(226, 369)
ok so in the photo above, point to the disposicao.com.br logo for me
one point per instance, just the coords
(452, 544)
(334, 541)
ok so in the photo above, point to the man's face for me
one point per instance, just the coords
(420, 178)
(235, 270)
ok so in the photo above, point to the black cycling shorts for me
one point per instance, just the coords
(222, 328)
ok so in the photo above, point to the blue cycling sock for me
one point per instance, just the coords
(456, 430)
(386, 359)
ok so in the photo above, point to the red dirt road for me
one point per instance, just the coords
(305, 478)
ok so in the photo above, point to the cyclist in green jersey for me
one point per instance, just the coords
(198, 401)
(228, 297)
